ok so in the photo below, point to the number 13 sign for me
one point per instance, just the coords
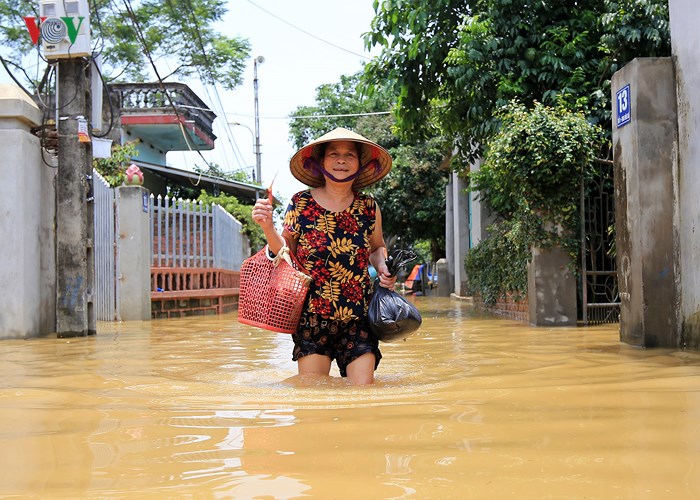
(624, 106)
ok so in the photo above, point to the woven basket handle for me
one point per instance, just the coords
(283, 253)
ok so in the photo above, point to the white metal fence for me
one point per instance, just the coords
(186, 233)
(231, 246)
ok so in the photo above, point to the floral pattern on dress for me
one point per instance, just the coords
(334, 249)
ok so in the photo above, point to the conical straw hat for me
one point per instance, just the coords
(371, 171)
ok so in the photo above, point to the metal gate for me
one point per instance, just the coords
(105, 280)
(599, 297)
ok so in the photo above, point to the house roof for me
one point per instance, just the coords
(244, 191)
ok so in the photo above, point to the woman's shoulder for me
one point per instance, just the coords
(365, 198)
(367, 202)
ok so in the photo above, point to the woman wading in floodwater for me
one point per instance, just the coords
(335, 232)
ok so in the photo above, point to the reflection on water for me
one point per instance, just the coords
(471, 406)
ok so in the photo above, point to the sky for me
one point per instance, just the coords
(305, 44)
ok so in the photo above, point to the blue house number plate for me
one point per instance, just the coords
(624, 106)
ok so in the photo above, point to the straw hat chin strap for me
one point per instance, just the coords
(314, 166)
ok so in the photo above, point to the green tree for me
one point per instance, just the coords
(340, 105)
(453, 63)
(416, 37)
(131, 35)
(531, 176)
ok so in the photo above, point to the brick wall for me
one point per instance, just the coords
(507, 307)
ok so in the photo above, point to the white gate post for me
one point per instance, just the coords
(133, 253)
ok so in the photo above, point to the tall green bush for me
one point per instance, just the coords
(498, 264)
(531, 177)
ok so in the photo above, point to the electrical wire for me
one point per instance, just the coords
(4, 64)
(373, 113)
(147, 52)
(307, 32)
(311, 117)
(229, 134)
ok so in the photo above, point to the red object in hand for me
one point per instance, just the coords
(270, 198)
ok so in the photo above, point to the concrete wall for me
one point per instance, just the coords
(457, 232)
(685, 42)
(645, 157)
(481, 216)
(27, 214)
(467, 221)
(551, 288)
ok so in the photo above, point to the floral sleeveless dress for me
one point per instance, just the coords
(334, 249)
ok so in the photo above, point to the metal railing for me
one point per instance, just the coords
(186, 233)
(157, 97)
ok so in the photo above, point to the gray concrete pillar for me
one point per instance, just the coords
(481, 215)
(27, 217)
(75, 258)
(133, 253)
(645, 143)
(685, 40)
(460, 223)
(449, 276)
(551, 288)
(443, 285)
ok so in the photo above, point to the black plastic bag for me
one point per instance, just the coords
(391, 317)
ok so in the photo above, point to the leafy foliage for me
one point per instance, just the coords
(179, 30)
(531, 176)
(537, 160)
(113, 168)
(416, 36)
(454, 63)
(498, 264)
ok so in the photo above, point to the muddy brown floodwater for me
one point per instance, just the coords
(471, 406)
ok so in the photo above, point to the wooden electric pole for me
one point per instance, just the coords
(75, 275)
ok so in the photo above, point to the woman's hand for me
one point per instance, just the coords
(385, 279)
(262, 214)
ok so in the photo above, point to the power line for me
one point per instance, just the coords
(141, 39)
(308, 33)
(305, 117)
(207, 63)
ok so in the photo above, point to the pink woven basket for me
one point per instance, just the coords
(272, 291)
